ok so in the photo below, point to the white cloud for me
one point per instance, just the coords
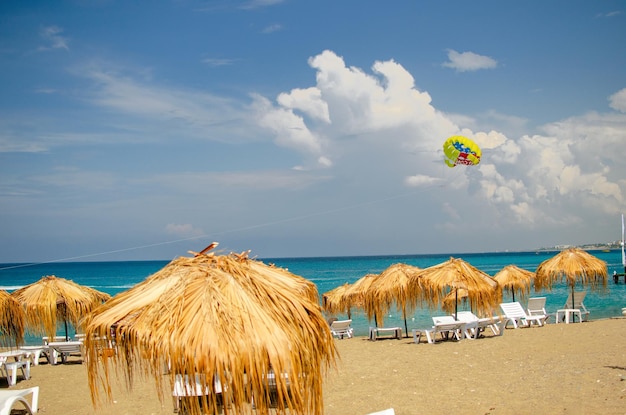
(218, 61)
(421, 180)
(306, 100)
(289, 128)
(617, 101)
(183, 230)
(54, 39)
(193, 114)
(272, 28)
(468, 61)
(255, 4)
(379, 125)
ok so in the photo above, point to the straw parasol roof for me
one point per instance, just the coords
(439, 280)
(224, 316)
(335, 301)
(515, 279)
(451, 301)
(52, 300)
(393, 286)
(572, 266)
(357, 294)
(11, 321)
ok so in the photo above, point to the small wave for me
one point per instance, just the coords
(11, 287)
(107, 287)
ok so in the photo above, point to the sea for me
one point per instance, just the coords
(330, 272)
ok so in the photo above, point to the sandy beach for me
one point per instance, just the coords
(555, 369)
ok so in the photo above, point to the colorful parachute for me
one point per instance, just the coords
(461, 150)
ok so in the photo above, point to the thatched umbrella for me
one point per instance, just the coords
(572, 265)
(515, 279)
(440, 280)
(357, 295)
(217, 316)
(53, 300)
(450, 302)
(335, 301)
(11, 321)
(393, 286)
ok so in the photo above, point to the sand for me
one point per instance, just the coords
(555, 369)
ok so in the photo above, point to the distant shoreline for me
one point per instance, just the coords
(611, 246)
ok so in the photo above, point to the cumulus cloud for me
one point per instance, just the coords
(617, 101)
(468, 61)
(380, 127)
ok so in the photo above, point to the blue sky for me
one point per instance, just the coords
(142, 130)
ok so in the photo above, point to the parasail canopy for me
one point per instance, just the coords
(461, 150)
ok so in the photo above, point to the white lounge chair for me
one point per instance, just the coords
(445, 326)
(64, 349)
(34, 353)
(475, 326)
(8, 398)
(45, 340)
(579, 296)
(185, 387)
(537, 307)
(392, 333)
(514, 313)
(389, 411)
(341, 328)
(11, 361)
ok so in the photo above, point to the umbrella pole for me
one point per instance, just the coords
(456, 303)
(65, 320)
(406, 328)
(573, 315)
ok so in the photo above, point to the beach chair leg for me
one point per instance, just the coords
(26, 369)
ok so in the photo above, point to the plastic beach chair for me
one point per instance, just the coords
(518, 316)
(341, 328)
(8, 398)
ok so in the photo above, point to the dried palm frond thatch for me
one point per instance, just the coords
(11, 321)
(357, 295)
(516, 280)
(393, 286)
(224, 316)
(52, 300)
(439, 280)
(335, 301)
(572, 266)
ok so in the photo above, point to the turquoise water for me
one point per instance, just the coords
(330, 272)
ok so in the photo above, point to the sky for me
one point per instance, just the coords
(134, 130)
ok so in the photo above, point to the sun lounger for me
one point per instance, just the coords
(394, 332)
(341, 328)
(64, 350)
(45, 340)
(577, 304)
(185, 387)
(445, 326)
(514, 313)
(34, 353)
(475, 326)
(8, 398)
(389, 411)
(11, 361)
(537, 307)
